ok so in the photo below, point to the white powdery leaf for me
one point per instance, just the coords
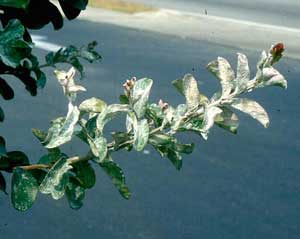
(243, 72)
(223, 71)
(272, 77)
(191, 92)
(75, 88)
(99, 148)
(141, 135)
(254, 109)
(64, 134)
(56, 179)
(93, 105)
(210, 114)
(140, 94)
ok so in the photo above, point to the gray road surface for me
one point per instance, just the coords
(275, 12)
(233, 186)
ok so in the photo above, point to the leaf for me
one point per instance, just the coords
(117, 176)
(155, 113)
(24, 189)
(17, 158)
(15, 3)
(227, 120)
(121, 140)
(2, 183)
(271, 77)
(99, 148)
(140, 94)
(184, 148)
(171, 154)
(243, 72)
(5, 90)
(178, 115)
(252, 108)
(141, 134)
(94, 105)
(75, 194)
(56, 179)
(2, 116)
(51, 157)
(85, 174)
(223, 71)
(209, 118)
(2, 147)
(12, 46)
(109, 113)
(62, 134)
(189, 88)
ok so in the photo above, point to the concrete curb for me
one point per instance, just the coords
(219, 30)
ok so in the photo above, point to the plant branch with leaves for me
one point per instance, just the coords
(146, 124)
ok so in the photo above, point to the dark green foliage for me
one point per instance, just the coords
(117, 176)
(71, 55)
(85, 174)
(2, 183)
(24, 189)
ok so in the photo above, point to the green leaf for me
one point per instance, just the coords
(209, 118)
(24, 189)
(121, 140)
(243, 72)
(124, 99)
(227, 120)
(223, 71)
(56, 179)
(184, 148)
(93, 105)
(155, 113)
(62, 134)
(17, 158)
(161, 139)
(85, 174)
(99, 148)
(252, 108)
(2, 147)
(140, 95)
(2, 116)
(141, 134)
(171, 154)
(189, 88)
(109, 113)
(117, 176)
(51, 157)
(2, 183)
(75, 194)
(178, 116)
(12, 46)
(15, 3)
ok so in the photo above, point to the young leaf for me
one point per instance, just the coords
(117, 176)
(141, 134)
(75, 193)
(93, 105)
(99, 148)
(252, 108)
(271, 77)
(63, 134)
(140, 95)
(223, 71)
(243, 72)
(56, 179)
(24, 189)
(189, 88)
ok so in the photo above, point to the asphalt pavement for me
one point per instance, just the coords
(233, 186)
(274, 12)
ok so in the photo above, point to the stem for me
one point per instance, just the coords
(72, 160)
